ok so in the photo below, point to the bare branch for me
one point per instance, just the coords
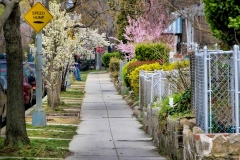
(235, 35)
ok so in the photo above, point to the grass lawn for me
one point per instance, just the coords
(46, 147)
(38, 148)
(51, 141)
(69, 128)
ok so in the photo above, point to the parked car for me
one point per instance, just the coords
(30, 71)
(3, 56)
(27, 88)
(3, 105)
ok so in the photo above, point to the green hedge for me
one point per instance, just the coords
(114, 68)
(107, 56)
(152, 51)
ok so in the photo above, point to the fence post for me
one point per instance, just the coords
(216, 46)
(205, 58)
(140, 88)
(236, 59)
(151, 93)
(196, 50)
(160, 98)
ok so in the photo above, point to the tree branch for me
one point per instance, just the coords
(9, 5)
(235, 35)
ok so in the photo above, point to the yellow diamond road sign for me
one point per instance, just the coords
(38, 17)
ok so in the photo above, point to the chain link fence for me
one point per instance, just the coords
(216, 89)
(121, 65)
(153, 87)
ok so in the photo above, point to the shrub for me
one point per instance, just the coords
(152, 51)
(107, 56)
(114, 68)
(130, 66)
(164, 110)
(183, 105)
(134, 75)
(114, 64)
(178, 75)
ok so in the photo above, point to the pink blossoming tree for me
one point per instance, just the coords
(149, 27)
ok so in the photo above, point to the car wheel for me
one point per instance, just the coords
(29, 103)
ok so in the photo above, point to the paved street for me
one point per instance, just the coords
(108, 131)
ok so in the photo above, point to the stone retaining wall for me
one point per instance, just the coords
(180, 139)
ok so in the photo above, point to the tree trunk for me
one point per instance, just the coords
(52, 97)
(58, 88)
(16, 133)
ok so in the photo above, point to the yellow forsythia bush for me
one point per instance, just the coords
(134, 75)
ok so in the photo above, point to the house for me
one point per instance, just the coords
(189, 27)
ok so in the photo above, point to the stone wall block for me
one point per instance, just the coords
(155, 122)
(156, 131)
(149, 114)
(188, 142)
(197, 130)
(205, 145)
(234, 144)
(220, 146)
(145, 121)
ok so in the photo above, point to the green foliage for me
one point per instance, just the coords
(114, 64)
(234, 22)
(45, 148)
(126, 73)
(182, 108)
(107, 56)
(222, 15)
(114, 68)
(183, 105)
(152, 51)
(164, 110)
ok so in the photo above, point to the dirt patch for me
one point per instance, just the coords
(59, 119)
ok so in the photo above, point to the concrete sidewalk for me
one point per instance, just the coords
(108, 130)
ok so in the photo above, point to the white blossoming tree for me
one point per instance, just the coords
(61, 39)
(56, 52)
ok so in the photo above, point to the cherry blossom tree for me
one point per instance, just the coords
(149, 27)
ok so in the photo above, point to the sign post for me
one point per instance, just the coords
(38, 17)
(99, 50)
